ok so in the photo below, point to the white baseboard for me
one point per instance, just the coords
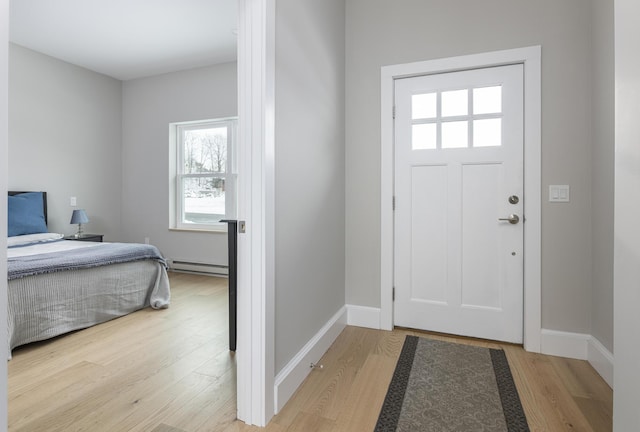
(579, 346)
(564, 344)
(293, 374)
(601, 359)
(552, 342)
(363, 316)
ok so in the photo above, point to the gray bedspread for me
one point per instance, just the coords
(53, 301)
(99, 255)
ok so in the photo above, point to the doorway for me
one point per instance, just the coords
(529, 61)
(255, 34)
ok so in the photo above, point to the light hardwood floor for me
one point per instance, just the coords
(171, 371)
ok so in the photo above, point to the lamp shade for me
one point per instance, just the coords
(79, 217)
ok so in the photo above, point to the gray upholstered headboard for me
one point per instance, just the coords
(44, 201)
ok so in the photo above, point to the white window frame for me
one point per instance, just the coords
(230, 175)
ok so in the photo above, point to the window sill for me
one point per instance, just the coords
(221, 230)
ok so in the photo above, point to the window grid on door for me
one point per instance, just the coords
(461, 118)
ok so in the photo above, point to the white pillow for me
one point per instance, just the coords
(23, 240)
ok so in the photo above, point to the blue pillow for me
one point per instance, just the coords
(26, 214)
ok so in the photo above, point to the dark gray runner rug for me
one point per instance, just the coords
(441, 386)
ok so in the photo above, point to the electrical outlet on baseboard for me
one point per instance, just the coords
(146, 240)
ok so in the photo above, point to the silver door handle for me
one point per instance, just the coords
(512, 219)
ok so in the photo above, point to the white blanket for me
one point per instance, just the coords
(46, 247)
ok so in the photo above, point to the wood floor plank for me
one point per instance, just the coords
(171, 371)
(597, 412)
(305, 422)
(367, 394)
(166, 428)
(48, 395)
(164, 405)
(203, 412)
(333, 386)
(120, 392)
(581, 380)
(547, 403)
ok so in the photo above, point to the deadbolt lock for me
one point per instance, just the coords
(513, 199)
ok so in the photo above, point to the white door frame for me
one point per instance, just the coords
(530, 57)
(255, 354)
(256, 312)
(4, 145)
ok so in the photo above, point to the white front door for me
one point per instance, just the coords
(458, 253)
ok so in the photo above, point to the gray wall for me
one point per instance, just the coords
(65, 138)
(602, 172)
(149, 105)
(78, 133)
(309, 164)
(382, 32)
(627, 214)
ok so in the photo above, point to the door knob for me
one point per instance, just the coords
(512, 219)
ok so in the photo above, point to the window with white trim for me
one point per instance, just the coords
(204, 173)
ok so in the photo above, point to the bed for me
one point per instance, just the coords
(57, 286)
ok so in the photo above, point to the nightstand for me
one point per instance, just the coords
(85, 237)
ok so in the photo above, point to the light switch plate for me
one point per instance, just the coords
(559, 193)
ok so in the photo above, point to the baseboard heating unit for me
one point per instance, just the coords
(200, 268)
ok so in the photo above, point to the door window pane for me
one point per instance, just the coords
(424, 136)
(487, 133)
(455, 134)
(455, 103)
(487, 100)
(424, 106)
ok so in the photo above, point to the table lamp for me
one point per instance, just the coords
(79, 217)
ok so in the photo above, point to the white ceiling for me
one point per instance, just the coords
(128, 39)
